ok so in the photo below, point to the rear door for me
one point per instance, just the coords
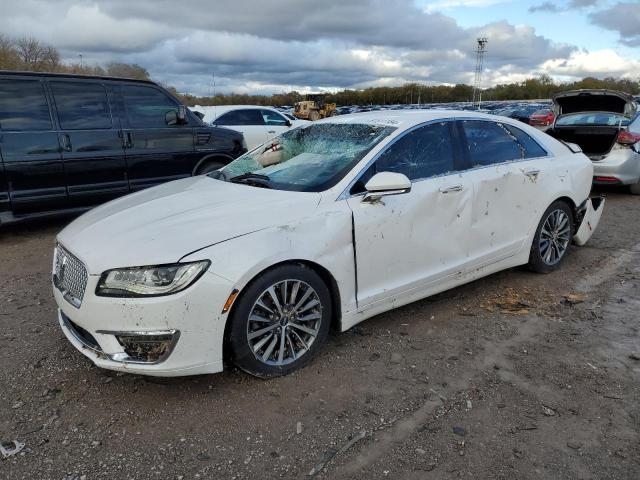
(30, 150)
(248, 121)
(156, 151)
(92, 149)
(504, 191)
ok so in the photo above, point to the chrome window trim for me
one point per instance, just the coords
(345, 193)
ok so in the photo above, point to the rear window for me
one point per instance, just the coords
(490, 143)
(23, 106)
(81, 105)
(530, 146)
(595, 118)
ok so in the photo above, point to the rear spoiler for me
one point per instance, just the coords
(571, 146)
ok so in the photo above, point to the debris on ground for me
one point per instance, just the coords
(574, 298)
(329, 454)
(459, 431)
(298, 428)
(635, 356)
(549, 412)
(509, 301)
(11, 448)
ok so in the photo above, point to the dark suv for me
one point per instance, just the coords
(69, 142)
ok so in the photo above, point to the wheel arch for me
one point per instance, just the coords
(221, 157)
(326, 276)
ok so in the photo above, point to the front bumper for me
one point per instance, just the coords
(190, 320)
(621, 163)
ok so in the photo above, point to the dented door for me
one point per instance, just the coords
(411, 240)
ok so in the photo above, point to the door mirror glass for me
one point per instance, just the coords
(200, 115)
(386, 183)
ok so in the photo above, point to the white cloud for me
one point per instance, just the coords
(582, 63)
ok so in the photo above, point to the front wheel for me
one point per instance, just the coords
(209, 167)
(552, 239)
(280, 321)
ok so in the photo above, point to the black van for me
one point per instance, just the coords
(69, 142)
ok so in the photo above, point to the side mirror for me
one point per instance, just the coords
(289, 123)
(200, 115)
(384, 184)
(182, 114)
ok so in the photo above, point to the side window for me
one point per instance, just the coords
(531, 147)
(273, 118)
(147, 107)
(81, 105)
(489, 143)
(241, 117)
(422, 153)
(23, 106)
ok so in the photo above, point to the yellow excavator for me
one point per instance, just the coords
(314, 108)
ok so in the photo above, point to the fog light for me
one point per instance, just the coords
(144, 347)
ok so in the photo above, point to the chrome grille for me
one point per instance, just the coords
(69, 276)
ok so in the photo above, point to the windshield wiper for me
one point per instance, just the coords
(251, 176)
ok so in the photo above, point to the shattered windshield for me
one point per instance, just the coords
(312, 158)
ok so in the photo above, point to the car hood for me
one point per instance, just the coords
(577, 101)
(165, 223)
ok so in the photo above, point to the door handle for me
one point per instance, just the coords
(532, 174)
(66, 142)
(271, 131)
(451, 189)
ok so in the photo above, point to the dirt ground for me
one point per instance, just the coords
(516, 376)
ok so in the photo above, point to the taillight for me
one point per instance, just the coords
(627, 138)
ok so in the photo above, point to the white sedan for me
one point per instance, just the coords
(324, 226)
(257, 123)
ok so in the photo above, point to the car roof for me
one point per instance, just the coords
(220, 109)
(404, 119)
(71, 76)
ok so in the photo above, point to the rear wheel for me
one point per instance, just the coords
(314, 115)
(635, 188)
(280, 321)
(552, 239)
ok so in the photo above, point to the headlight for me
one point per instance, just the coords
(150, 281)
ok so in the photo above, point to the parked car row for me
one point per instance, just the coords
(69, 142)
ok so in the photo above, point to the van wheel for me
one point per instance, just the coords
(635, 189)
(209, 167)
(280, 321)
(552, 239)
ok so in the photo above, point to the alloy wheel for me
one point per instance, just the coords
(555, 237)
(284, 322)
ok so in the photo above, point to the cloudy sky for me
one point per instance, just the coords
(265, 46)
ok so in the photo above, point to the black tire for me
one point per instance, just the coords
(546, 256)
(209, 167)
(283, 325)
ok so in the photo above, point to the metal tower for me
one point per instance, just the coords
(480, 51)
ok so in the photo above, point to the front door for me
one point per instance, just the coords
(409, 243)
(92, 150)
(30, 150)
(156, 150)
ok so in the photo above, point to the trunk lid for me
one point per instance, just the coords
(576, 101)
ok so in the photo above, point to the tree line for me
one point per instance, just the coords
(28, 54)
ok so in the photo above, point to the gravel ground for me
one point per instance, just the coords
(517, 375)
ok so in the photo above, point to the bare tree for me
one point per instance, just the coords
(126, 70)
(9, 59)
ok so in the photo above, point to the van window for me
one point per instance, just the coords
(147, 107)
(23, 106)
(489, 143)
(240, 117)
(81, 105)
